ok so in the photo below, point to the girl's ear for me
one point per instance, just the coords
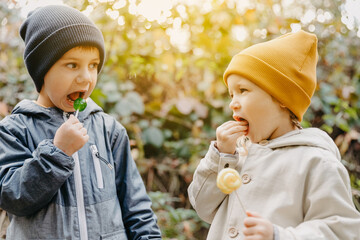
(282, 105)
(278, 102)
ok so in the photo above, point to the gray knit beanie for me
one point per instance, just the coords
(49, 32)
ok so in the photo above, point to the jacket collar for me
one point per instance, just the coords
(313, 137)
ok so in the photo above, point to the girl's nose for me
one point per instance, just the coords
(234, 104)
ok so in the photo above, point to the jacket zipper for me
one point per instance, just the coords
(80, 197)
(98, 174)
(96, 154)
(79, 194)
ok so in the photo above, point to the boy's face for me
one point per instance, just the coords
(73, 75)
(267, 119)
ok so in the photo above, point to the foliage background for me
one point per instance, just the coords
(163, 81)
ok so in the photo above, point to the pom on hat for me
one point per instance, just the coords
(49, 32)
(284, 67)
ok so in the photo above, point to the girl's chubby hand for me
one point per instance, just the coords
(257, 228)
(71, 136)
(228, 133)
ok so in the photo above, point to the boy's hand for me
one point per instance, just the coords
(228, 133)
(257, 228)
(71, 136)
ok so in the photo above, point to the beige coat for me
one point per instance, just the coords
(4, 223)
(296, 181)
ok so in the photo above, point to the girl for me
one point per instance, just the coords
(293, 183)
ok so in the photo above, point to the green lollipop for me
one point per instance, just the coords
(79, 105)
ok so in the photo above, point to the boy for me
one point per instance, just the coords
(63, 177)
(294, 186)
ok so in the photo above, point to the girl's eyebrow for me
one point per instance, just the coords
(239, 85)
(243, 84)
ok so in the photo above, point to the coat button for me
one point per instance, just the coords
(233, 232)
(245, 178)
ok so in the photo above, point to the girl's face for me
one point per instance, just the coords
(73, 75)
(266, 118)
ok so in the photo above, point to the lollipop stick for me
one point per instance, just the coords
(238, 197)
(77, 112)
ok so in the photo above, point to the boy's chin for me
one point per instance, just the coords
(66, 108)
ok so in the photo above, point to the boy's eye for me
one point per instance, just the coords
(94, 65)
(71, 65)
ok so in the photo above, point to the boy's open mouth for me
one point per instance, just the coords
(75, 95)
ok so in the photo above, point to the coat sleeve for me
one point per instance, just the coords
(203, 193)
(139, 219)
(329, 212)
(29, 180)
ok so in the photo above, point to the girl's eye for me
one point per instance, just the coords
(242, 90)
(71, 65)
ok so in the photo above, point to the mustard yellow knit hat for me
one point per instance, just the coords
(284, 67)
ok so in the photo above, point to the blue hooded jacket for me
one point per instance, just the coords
(97, 193)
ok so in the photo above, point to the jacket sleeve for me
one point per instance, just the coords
(203, 193)
(329, 212)
(29, 180)
(139, 219)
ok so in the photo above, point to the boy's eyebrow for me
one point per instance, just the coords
(75, 58)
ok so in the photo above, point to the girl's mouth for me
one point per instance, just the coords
(239, 119)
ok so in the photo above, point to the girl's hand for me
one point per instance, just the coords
(228, 133)
(71, 136)
(257, 228)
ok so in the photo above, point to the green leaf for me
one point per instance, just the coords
(154, 136)
(352, 113)
(135, 101)
(342, 124)
(327, 128)
(98, 97)
(129, 104)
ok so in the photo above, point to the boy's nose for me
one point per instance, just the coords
(83, 77)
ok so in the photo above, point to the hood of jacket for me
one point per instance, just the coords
(30, 108)
(312, 137)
